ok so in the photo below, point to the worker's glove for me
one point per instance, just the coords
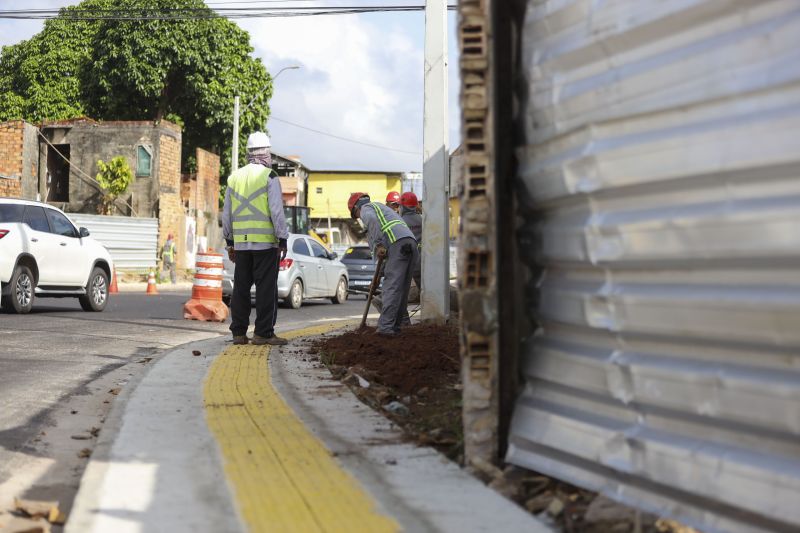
(381, 252)
(283, 247)
(231, 254)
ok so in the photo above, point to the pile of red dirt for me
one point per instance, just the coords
(422, 356)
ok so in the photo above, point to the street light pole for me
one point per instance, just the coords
(235, 148)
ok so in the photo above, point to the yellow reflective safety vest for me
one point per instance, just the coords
(386, 224)
(250, 215)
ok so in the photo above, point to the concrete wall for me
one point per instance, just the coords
(91, 141)
(171, 215)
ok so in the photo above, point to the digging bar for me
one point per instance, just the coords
(375, 279)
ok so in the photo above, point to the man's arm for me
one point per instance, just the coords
(227, 223)
(276, 213)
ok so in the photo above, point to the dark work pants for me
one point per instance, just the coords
(398, 272)
(259, 267)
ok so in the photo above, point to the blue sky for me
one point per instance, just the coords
(360, 77)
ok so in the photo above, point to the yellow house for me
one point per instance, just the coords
(329, 190)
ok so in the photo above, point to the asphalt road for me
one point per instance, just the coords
(61, 369)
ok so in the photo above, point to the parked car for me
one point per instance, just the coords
(43, 254)
(360, 268)
(308, 271)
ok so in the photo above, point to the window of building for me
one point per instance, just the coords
(58, 173)
(319, 190)
(144, 161)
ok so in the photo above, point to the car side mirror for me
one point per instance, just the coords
(84, 232)
(333, 255)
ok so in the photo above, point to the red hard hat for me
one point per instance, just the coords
(351, 203)
(393, 198)
(409, 199)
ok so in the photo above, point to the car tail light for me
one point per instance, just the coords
(286, 264)
(3, 233)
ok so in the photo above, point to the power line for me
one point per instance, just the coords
(354, 141)
(145, 14)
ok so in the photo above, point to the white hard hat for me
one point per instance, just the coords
(258, 139)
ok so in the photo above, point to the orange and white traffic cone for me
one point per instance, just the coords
(206, 303)
(151, 283)
(113, 288)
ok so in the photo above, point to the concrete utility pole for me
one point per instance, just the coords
(235, 149)
(435, 215)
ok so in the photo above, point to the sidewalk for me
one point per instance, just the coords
(226, 442)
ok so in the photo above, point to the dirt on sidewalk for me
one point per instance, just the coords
(413, 379)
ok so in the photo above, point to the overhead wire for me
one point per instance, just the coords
(346, 139)
(204, 13)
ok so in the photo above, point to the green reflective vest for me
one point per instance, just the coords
(250, 214)
(386, 225)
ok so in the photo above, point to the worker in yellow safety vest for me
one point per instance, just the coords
(168, 255)
(255, 231)
(390, 238)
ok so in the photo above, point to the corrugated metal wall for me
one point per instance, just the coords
(660, 179)
(132, 242)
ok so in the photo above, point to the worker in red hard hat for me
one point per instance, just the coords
(409, 205)
(389, 237)
(393, 201)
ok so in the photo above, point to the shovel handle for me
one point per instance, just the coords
(375, 278)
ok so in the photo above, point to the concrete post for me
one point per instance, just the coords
(435, 233)
(235, 148)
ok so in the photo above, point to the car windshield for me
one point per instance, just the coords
(358, 253)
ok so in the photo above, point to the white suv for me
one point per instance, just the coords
(42, 254)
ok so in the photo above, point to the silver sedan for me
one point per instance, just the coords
(309, 271)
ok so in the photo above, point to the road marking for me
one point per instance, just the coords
(283, 477)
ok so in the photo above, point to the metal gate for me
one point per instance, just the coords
(660, 186)
(132, 242)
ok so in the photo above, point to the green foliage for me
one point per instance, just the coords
(114, 177)
(186, 71)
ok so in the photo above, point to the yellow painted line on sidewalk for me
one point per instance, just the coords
(283, 476)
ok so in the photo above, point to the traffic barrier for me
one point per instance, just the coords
(113, 288)
(151, 283)
(206, 303)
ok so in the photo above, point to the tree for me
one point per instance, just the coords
(114, 177)
(186, 71)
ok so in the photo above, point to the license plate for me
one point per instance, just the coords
(359, 282)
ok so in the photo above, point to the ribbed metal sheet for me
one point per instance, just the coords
(132, 242)
(660, 183)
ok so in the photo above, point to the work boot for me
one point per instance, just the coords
(258, 340)
(240, 339)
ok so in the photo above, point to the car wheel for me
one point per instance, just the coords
(341, 292)
(295, 298)
(96, 296)
(22, 285)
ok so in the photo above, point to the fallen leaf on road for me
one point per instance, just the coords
(115, 391)
(84, 453)
(94, 431)
(81, 436)
(196, 352)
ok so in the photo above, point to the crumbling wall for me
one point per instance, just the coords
(18, 160)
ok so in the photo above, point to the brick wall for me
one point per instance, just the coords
(208, 196)
(170, 210)
(11, 146)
